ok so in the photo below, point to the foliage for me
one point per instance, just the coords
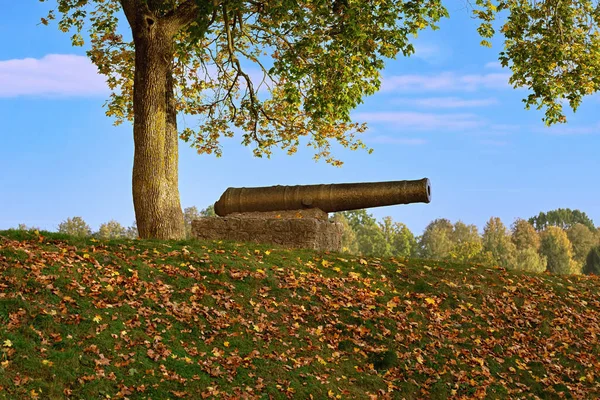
(349, 242)
(524, 235)
(132, 232)
(190, 214)
(208, 211)
(467, 245)
(111, 230)
(564, 218)
(582, 239)
(528, 259)
(75, 226)
(203, 319)
(497, 241)
(552, 48)
(403, 242)
(592, 262)
(370, 239)
(557, 248)
(316, 61)
(23, 227)
(436, 241)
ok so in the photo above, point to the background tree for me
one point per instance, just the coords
(592, 262)
(132, 232)
(349, 242)
(467, 245)
(208, 211)
(190, 214)
(436, 241)
(557, 249)
(528, 259)
(524, 235)
(402, 243)
(23, 227)
(111, 230)
(370, 238)
(75, 226)
(582, 239)
(497, 242)
(191, 56)
(563, 218)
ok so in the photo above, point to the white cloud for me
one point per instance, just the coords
(53, 74)
(421, 121)
(431, 53)
(565, 129)
(445, 81)
(446, 102)
(396, 140)
(493, 65)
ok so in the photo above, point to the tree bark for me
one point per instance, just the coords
(155, 163)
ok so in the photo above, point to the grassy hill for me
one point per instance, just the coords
(88, 319)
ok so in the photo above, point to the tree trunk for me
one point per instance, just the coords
(155, 163)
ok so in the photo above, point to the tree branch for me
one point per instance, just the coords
(185, 14)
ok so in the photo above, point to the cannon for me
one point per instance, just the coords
(328, 198)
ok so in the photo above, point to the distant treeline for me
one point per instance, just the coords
(561, 241)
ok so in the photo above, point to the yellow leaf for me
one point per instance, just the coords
(86, 255)
(226, 344)
(337, 269)
(7, 343)
(97, 319)
(363, 261)
(4, 364)
(429, 300)
(419, 359)
(260, 271)
(109, 288)
(47, 363)
(267, 252)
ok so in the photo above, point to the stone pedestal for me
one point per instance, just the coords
(292, 229)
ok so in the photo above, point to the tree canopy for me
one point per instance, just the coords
(316, 61)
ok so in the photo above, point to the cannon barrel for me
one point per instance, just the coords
(329, 198)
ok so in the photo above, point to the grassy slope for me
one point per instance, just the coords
(147, 319)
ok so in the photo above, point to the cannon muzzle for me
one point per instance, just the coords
(329, 198)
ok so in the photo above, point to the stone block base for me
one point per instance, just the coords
(302, 233)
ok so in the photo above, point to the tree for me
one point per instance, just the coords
(557, 248)
(190, 214)
(436, 241)
(463, 233)
(497, 241)
(528, 259)
(349, 242)
(132, 232)
(208, 211)
(370, 238)
(75, 226)
(582, 239)
(563, 218)
(467, 245)
(23, 227)
(552, 47)
(403, 242)
(524, 235)
(111, 230)
(191, 56)
(592, 262)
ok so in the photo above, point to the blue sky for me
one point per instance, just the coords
(446, 113)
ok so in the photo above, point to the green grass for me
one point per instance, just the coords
(89, 319)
